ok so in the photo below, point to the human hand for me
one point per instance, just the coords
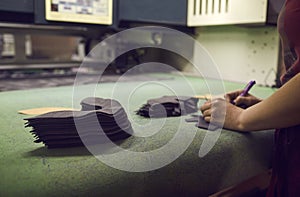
(246, 101)
(222, 113)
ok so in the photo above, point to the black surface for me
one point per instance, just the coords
(31, 80)
(154, 11)
(25, 6)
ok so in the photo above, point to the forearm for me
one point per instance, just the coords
(280, 110)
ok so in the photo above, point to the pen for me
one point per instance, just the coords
(246, 89)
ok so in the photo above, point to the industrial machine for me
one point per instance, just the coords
(59, 34)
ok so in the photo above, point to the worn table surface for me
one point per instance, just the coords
(27, 168)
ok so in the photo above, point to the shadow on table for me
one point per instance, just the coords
(75, 151)
(58, 152)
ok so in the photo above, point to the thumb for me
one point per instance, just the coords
(241, 100)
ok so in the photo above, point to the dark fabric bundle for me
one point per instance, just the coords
(59, 129)
(168, 106)
(201, 123)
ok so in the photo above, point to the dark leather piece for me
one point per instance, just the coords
(168, 106)
(201, 123)
(99, 119)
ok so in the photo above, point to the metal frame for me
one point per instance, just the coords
(224, 12)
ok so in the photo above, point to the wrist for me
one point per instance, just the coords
(241, 122)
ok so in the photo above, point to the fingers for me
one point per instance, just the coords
(207, 118)
(235, 98)
(231, 96)
(221, 113)
(206, 110)
(205, 106)
(213, 110)
(241, 100)
(248, 100)
(206, 113)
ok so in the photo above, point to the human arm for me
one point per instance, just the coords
(280, 110)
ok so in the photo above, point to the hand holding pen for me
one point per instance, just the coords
(217, 110)
(242, 98)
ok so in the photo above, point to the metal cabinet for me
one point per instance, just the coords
(188, 13)
(193, 13)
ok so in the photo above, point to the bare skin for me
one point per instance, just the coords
(280, 110)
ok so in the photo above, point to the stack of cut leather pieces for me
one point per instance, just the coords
(99, 120)
(168, 106)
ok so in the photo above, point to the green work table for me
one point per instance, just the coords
(30, 169)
